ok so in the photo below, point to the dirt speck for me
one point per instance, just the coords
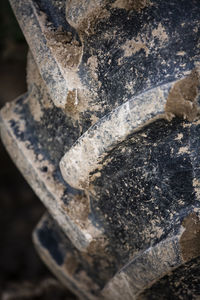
(142, 42)
(183, 150)
(160, 33)
(179, 136)
(190, 239)
(93, 65)
(182, 99)
(79, 209)
(181, 53)
(133, 46)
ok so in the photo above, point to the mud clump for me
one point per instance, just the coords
(136, 5)
(190, 239)
(182, 99)
(79, 209)
(68, 50)
(84, 15)
(72, 101)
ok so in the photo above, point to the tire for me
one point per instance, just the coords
(107, 135)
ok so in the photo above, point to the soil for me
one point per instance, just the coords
(182, 98)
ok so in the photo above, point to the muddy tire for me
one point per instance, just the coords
(107, 135)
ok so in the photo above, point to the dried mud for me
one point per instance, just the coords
(136, 5)
(182, 99)
(83, 15)
(67, 49)
(190, 239)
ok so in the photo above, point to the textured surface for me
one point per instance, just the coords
(83, 272)
(147, 185)
(177, 286)
(128, 209)
(34, 160)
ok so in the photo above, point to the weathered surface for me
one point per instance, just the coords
(175, 285)
(104, 61)
(33, 29)
(29, 129)
(149, 46)
(103, 100)
(159, 103)
(84, 273)
(85, 155)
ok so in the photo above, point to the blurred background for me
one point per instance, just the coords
(22, 273)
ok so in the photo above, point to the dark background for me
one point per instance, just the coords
(22, 273)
